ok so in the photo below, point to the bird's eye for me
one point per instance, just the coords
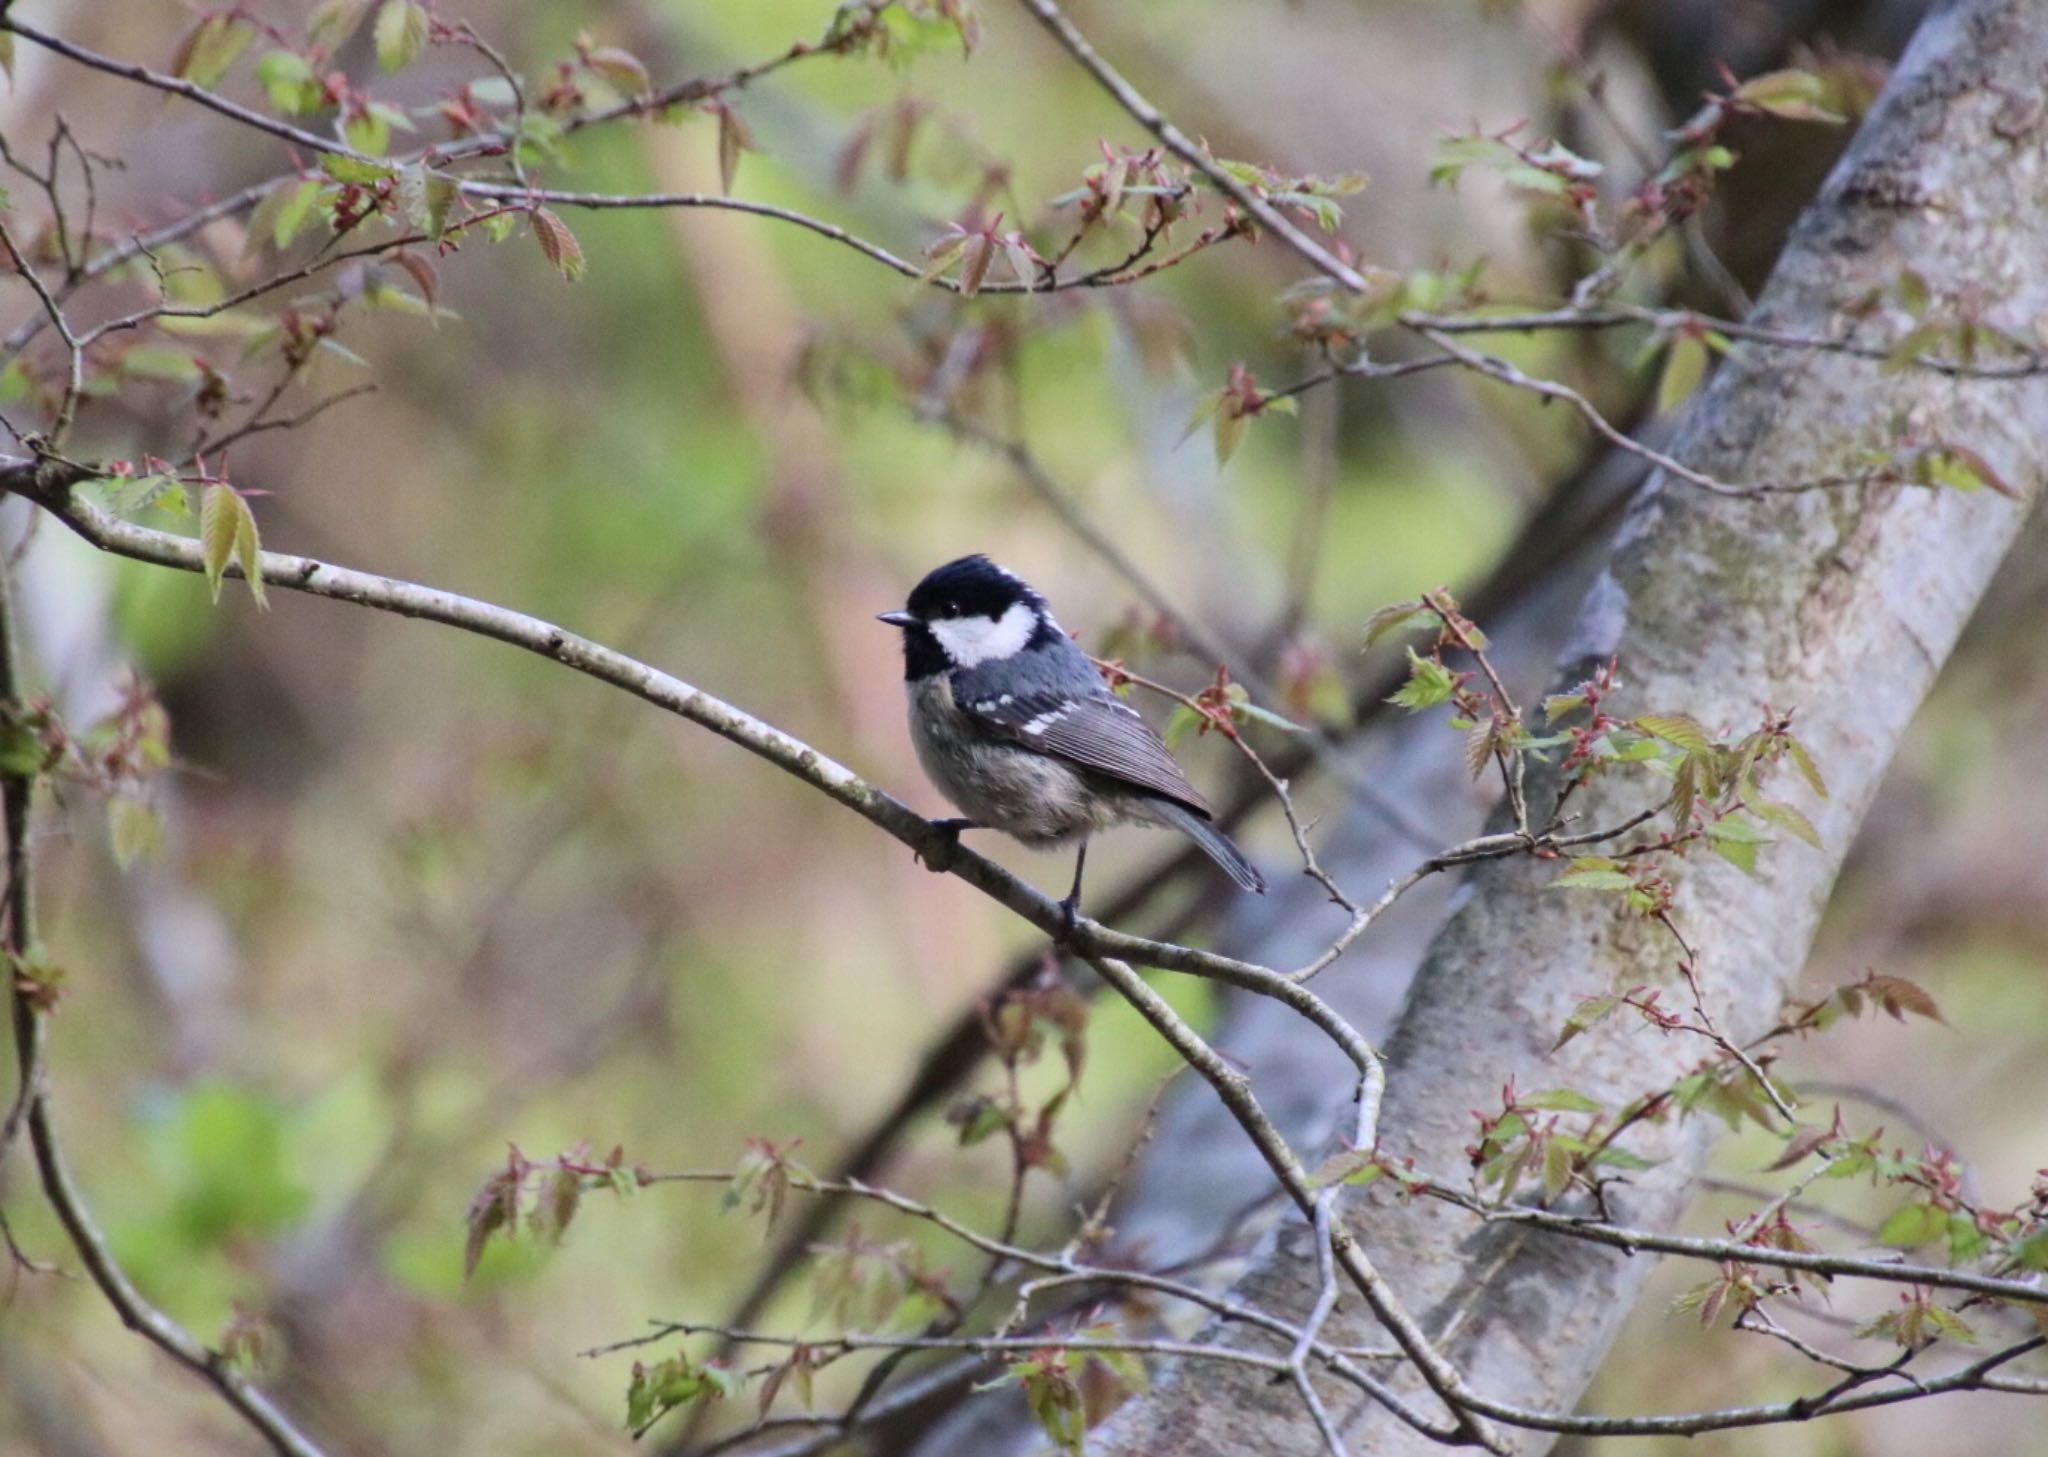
(952, 609)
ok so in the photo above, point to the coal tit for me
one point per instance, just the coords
(1016, 727)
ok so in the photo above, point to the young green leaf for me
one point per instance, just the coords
(210, 47)
(1677, 729)
(1397, 617)
(1736, 840)
(1803, 762)
(227, 532)
(1348, 1166)
(1792, 94)
(1788, 819)
(1588, 1012)
(1911, 1225)
(1230, 426)
(282, 212)
(1685, 365)
(289, 80)
(136, 830)
(1734, 829)
(155, 362)
(1429, 684)
(355, 169)
(1558, 1166)
(1055, 1399)
(1950, 1326)
(333, 22)
(1244, 708)
(1561, 1100)
(1962, 469)
(677, 1381)
(1594, 872)
(426, 197)
(401, 33)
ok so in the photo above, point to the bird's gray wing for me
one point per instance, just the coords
(1097, 732)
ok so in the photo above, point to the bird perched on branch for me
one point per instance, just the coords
(1016, 727)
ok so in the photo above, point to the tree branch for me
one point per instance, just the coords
(53, 491)
(191, 91)
(66, 1199)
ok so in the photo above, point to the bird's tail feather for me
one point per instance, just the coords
(1218, 845)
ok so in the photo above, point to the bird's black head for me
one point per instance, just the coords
(969, 612)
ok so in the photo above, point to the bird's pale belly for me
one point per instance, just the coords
(1035, 797)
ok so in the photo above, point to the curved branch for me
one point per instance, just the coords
(1496, 368)
(33, 1103)
(2030, 362)
(1718, 1250)
(509, 194)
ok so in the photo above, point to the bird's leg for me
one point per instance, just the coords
(1070, 908)
(938, 856)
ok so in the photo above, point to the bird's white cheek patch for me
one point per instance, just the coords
(972, 640)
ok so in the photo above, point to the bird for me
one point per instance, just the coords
(1015, 726)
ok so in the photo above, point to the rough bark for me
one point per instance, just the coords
(1840, 604)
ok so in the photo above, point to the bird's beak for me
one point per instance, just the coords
(896, 619)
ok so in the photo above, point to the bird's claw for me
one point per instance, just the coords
(938, 855)
(1070, 921)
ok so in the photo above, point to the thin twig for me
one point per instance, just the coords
(74, 384)
(190, 90)
(1310, 865)
(257, 425)
(1176, 141)
(556, 197)
(1065, 1270)
(1499, 369)
(1616, 315)
(1720, 1251)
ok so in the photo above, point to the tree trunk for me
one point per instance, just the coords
(1839, 604)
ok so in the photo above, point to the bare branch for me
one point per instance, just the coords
(74, 383)
(555, 197)
(1615, 315)
(1720, 1250)
(1496, 368)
